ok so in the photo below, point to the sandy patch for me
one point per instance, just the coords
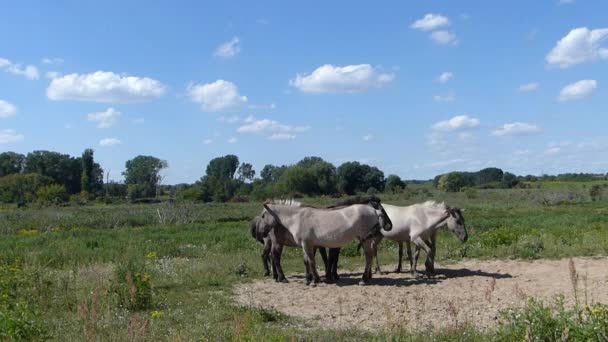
(470, 291)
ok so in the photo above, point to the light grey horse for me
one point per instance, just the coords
(419, 223)
(331, 228)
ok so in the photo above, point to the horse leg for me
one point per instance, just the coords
(376, 242)
(266, 256)
(329, 266)
(429, 264)
(334, 264)
(276, 254)
(398, 269)
(368, 248)
(409, 255)
(309, 259)
(420, 244)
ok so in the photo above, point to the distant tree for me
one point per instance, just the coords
(455, 181)
(142, 175)
(52, 194)
(508, 180)
(246, 172)
(86, 178)
(355, 177)
(219, 183)
(488, 175)
(21, 187)
(394, 184)
(271, 173)
(63, 169)
(11, 163)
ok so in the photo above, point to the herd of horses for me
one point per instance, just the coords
(290, 223)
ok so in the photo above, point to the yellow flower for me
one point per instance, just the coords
(156, 314)
(151, 255)
(28, 232)
(146, 277)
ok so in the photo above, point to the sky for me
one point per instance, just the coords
(416, 88)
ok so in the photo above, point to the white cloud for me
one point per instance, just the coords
(207, 141)
(104, 86)
(577, 90)
(444, 38)
(52, 74)
(9, 136)
(282, 136)
(449, 97)
(456, 123)
(229, 48)
(109, 142)
(232, 140)
(336, 79)
(217, 96)
(271, 129)
(29, 71)
(445, 77)
(516, 128)
(553, 151)
(430, 22)
(528, 87)
(7, 109)
(104, 119)
(229, 119)
(368, 137)
(52, 60)
(580, 45)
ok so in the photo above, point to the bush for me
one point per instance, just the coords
(132, 286)
(21, 188)
(52, 194)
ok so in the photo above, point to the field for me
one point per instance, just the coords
(170, 271)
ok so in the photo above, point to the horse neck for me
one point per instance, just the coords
(286, 214)
(436, 216)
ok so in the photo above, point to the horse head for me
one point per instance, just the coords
(455, 223)
(267, 221)
(383, 219)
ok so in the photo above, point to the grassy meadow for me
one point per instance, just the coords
(165, 271)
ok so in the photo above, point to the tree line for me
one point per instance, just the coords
(52, 177)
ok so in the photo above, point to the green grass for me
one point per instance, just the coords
(65, 269)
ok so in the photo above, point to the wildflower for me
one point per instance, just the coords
(156, 314)
(152, 255)
(146, 277)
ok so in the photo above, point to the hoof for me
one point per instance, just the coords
(313, 284)
(330, 281)
(266, 274)
(397, 270)
(284, 280)
(363, 282)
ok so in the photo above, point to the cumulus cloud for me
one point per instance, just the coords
(229, 48)
(271, 129)
(528, 87)
(580, 45)
(577, 90)
(104, 86)
(52, 74)
(8, 136)
(515, 128)
(217, 96)
(444, 38)
(445, 77)
(456, 123)
(48, 60)
(104, 119)
(29, 71)
(7, 109)
(109, 142)
(430, 22)
(346, 79)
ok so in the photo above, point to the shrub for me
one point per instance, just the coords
(52, 194)
(132, 286)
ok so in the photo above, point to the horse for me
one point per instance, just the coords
(273, 249)
(331, 228)
(419, 223)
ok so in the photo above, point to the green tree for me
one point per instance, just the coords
(52, 194)
(355, 177)
(218, 182)
(246, 172)
(63, 169)
(271, 173)
(488, 175)
(455, 181)
(394, 184)
(142, 175)
(86, 178)
(11, 163)
(21, 187)
(508, 180)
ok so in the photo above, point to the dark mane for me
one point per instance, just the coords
(354, 200)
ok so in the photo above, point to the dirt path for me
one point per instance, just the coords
(473, 291)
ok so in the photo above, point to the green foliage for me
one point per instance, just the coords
(455, 181)
(61, 168)
(133, 285)
(538, 322)
(21, 188)
(394, 184)
(355, 177)
(52, 194)
(508, 180)
(11, 163)
(246, 172)
(142, 175)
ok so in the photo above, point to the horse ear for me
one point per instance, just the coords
(271, 212)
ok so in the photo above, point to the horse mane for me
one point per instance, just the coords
(285, 201)
(433, 204)
(354, 200)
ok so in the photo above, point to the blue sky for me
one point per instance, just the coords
(415, 88)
